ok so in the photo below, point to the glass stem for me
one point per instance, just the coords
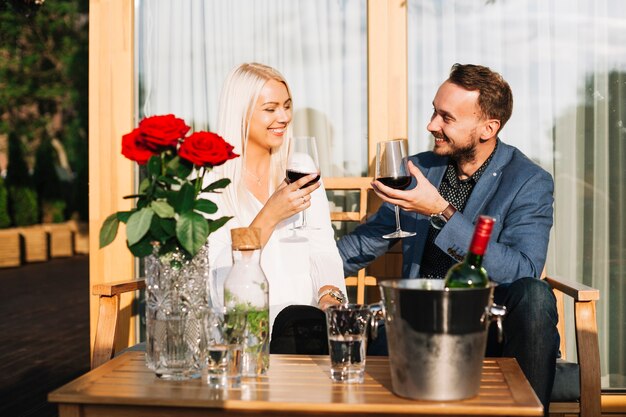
(303, 219)
(397, 219)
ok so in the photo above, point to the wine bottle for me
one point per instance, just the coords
(470, 273)
(246, 292)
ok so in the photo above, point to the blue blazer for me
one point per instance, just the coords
(513, 189)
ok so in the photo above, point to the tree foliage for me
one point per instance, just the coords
(5, 219)
(44, 78)
(50, 189)
(22, 196)
(17, 169)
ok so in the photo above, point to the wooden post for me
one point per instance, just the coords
(387, 72)
(111, 176)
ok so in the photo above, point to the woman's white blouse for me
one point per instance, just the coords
(296, 262)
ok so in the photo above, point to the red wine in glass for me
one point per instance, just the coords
(293, 176)
(392, 170)
(303, 160)
(398, 183)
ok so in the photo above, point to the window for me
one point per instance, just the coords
(566, 64)
(186, 49)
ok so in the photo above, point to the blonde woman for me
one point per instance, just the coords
(255, 113)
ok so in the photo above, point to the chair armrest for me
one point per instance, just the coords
(108, 311)
(109, 289)
(576, 290)
(587, 347)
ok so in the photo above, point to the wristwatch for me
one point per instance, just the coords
(334, 293)
(438, 220)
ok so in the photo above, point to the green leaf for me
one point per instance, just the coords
(219, 184)
(143, 186)
(206, 206)
(156, 230)
(162, 209)
(161, 233)
(184, 169)
(124, 215)
(167, 180)
(154, 166)
(184, 199)
(170, 246)
(108, 231)
(161, 192)
(143, 202)
(192, 231)
(138, 225)
(168, 226)
(172, 166)
(142, 248)
(217, 223)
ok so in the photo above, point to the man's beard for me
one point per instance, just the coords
(459, 154)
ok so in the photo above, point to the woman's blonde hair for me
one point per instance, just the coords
(239, 95)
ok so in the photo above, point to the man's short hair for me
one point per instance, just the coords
(495, 97)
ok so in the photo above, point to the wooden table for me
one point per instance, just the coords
(293, 385)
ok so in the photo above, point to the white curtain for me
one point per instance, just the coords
(566, 63)
(186, 48)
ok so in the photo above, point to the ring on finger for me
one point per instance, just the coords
(303, 200)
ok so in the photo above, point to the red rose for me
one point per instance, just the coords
(206, 149)
(134, 149)
(158, 132)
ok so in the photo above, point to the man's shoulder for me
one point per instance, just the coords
(514, 161)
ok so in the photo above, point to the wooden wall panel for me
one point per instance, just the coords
(387, 103)
(111, 109)
(387, 72)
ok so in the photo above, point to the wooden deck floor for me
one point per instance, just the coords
(44, 332)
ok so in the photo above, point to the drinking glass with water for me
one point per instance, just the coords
(224, 347)
(347, 341)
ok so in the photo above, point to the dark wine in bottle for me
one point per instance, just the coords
(293, 176)
(470, 273)
(399, 183)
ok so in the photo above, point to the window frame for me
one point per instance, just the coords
(112, 110)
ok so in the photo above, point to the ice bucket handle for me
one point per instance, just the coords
(496, 313)
(378, 314)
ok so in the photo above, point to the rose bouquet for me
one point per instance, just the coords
(169, 213)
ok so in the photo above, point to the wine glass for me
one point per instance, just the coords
(302, 161)
(392, 170)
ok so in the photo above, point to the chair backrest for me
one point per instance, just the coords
(587, 347)
(362, 185)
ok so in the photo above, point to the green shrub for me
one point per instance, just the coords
(48, 183)
(24, 203)
(53, 211)
(5, 219)
(22, 195)
(17, 170)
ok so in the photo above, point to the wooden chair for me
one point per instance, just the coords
(362, 185)
(587, 349)
(108, 311)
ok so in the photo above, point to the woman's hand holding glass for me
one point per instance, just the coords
(303, 160)
(287, 200)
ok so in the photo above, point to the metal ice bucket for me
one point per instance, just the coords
(436, 337)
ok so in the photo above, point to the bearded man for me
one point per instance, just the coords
(470, 172)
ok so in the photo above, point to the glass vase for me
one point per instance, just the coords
(176, 302)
